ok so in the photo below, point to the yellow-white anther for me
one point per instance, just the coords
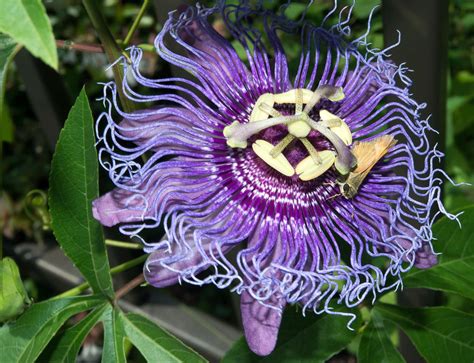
(263, 148)
(307, 169)
(257, 113)
(341, 129)
(290, 96)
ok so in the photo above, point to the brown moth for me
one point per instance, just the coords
(367, 154)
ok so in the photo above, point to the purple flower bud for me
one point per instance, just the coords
(296, 241)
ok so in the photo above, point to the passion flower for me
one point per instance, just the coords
(247, 157)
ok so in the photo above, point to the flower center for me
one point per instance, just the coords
(299, 125)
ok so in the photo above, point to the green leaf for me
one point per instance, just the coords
(295, 10)
(301, 339)
(154, 343)
(73, 185)
(375, 344)
(13, 296)
(468, 21)
(114, 338)
(455, 270)
(27, 23)
(25, 339)
(65, 347)
(440, 334)
(8, 49)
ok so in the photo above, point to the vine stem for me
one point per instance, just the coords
(113, 271)
(136, 23)
(95, 48)
(120, 244)
(129, 286)
(111, 48)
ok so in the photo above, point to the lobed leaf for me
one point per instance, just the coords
(8, 49)
(23, 340)
(301, 339)
(114, 338)
(73, 185)
(155, 344)
(455, 269)
(27, 23)
(375, 344)
(65, 348)
(440, 334)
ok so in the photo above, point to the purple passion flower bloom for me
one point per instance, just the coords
(309, 178)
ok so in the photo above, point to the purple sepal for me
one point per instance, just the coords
(261, 324)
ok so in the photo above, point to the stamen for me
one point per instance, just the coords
(337, 125)
(290, 96)
(298, 101)
(278, 148)
(257, 114)
(345, 160)
(269, 110)
(308, 170)
(331, 122)
(299, 126)
(312, 151)
(237, 133)
(330, 92)
(263, 148)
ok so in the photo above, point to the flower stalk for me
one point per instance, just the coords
(113, 271)
(120, 244)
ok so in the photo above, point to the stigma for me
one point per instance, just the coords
(299, 125)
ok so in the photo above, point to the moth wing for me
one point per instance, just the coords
(356, 179)
(383, 144)
(365, 155)
(370, 152)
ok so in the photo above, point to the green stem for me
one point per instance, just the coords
(1, 194)
(128, 265)
(136, 23)
(74, 291)
(114, 270)
(133, 246)
(111, 48)
(147, 47)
